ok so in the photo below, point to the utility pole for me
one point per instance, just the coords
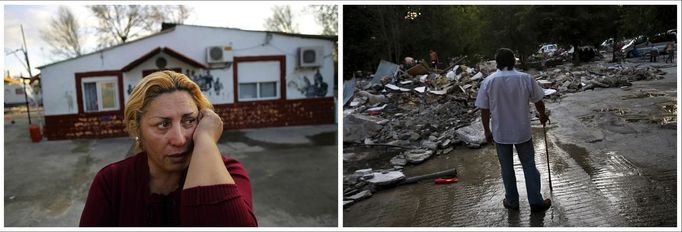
(28, 66)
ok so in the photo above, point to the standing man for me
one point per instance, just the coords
(504, 96)
(434, 58)
(670, 49)
(653, 54)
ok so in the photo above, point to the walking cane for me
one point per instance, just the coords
(547, 155)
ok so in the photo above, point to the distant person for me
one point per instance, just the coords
(653, 54)
(408, 63)
(178, 176)
(670, 49)
(433, 55)
(504, 96)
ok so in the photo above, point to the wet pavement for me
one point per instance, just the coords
(293, 174)
(612, 165)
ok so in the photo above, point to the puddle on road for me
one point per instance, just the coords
(580, 155)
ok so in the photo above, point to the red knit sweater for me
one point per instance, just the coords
(119, 196)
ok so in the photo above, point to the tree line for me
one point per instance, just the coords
(117, 24)
(373, 33)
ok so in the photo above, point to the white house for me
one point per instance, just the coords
(14, 94)
(253, 78)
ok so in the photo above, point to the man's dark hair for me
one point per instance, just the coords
(505, 58)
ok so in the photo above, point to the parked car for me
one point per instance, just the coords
(638, 42)
(607, 45)
(645, 44)
(548, 49)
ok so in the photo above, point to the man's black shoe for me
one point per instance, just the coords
(506, 205)
(539, 208)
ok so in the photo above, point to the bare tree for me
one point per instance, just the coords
(120, 23)
(327, 17)
(281, 20)
(63, 34)
(172, 14)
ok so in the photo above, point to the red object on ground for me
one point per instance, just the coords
(374, 112)
(446, 180)
(35, 133)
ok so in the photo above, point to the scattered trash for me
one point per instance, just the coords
(348, 89)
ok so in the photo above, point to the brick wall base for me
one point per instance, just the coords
(256, 114)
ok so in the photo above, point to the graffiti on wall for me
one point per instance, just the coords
(209, 85)
(206, 82)
(69, 100)
(318, 88)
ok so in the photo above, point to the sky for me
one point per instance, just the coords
(243, 15)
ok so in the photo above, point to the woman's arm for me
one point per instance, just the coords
(206, 166)
(217, 192)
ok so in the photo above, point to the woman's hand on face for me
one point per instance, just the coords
(210, 125)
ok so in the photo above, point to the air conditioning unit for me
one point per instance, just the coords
(310, 56)
(219, 54)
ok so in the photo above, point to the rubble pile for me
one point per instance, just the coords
(428, 112)
(574, 79)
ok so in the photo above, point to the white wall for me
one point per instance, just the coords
(222, 95)
(59, 80)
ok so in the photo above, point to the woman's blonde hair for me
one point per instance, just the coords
(151, 87)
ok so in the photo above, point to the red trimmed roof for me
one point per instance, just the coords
(166, 50)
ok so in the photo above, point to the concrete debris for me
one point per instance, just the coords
(372, 98)
(399, 160)
(363, 172)
(549, 91)
(347, 204)
(417, 155)
(357, 127)
(387, 178)
(472, 134)
(359, 196)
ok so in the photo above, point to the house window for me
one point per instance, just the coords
(100, 94)
(258, 80)
(258, 90)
